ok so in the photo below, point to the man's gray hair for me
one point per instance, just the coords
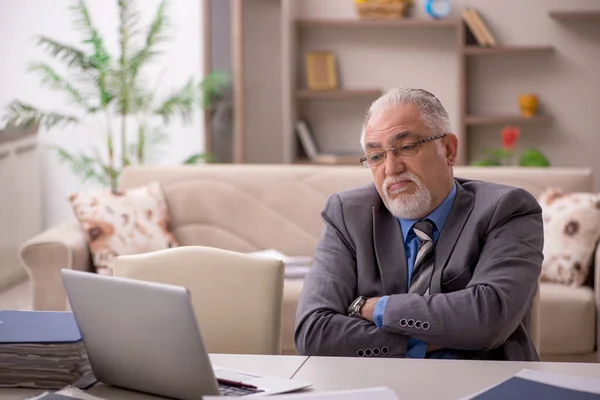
(433, 112)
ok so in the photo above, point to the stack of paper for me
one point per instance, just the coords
(295, 266)
(40, 350)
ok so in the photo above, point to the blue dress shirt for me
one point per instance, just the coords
(417, 348)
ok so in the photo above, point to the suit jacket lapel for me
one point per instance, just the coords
(459, 214)
(389, 250)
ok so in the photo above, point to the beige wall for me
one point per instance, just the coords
(568, 81)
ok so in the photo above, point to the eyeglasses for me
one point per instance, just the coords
(374, 159)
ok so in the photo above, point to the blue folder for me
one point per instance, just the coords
(38, 327)
(517, 388)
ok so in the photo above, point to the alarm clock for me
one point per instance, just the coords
(437, 8)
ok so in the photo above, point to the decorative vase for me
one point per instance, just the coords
(529, 104)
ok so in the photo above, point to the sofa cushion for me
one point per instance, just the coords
(567, 319)
(130, 222)
(571, 231)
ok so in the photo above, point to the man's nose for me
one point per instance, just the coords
(393, 164)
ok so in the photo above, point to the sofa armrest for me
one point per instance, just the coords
(43, 256)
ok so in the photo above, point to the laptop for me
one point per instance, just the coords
(144, 336)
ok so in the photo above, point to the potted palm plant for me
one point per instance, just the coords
(114, 87)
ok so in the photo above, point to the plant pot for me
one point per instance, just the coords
(529, 105)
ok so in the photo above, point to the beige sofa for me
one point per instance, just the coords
(254, 207)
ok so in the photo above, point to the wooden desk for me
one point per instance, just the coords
(424, 379)
(280, 366)
(409, 378)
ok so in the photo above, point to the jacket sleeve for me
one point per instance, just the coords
(504, 283)
(322, 326)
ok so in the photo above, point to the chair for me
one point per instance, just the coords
(237, 297)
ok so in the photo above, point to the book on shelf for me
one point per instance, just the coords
(314, 155)
(478, 28)
(489, 38)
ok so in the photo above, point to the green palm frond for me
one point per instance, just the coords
(23, 115)
(182, 102)
(155, 35)
(111, 174)
(196, 158)
(149, 144)
(88, 168)
(104, 90)
(128, 28)
(129, 18)
(136, 150)
(100, 59)
(51, 78)
(141, 97)
(72, 56)
(213, 85)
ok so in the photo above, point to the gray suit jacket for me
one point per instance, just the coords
(487, 263)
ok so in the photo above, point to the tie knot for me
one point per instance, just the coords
(424, 230)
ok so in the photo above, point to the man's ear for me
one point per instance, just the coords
(451, 148)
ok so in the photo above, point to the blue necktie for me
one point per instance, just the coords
(423, 268)
(421, 275)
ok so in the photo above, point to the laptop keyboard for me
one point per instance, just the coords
(234, 391)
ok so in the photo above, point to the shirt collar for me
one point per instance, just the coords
(437, 216)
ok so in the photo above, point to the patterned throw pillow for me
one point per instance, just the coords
(571, 232)
(131, 222)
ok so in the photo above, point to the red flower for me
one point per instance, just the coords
(510, 134)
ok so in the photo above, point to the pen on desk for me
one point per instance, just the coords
(236, 384)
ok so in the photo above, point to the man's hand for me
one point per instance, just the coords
(367, 310)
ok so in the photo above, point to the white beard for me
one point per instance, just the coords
(407, 206)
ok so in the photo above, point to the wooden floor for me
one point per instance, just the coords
(15, 297)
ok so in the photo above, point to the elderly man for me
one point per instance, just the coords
(421, 264)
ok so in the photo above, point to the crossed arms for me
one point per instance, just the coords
(479, 317)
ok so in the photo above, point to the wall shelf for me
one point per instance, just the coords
(297, 40)
(337, 94)
(488, 120)
(575, 15)
(484, 51)
(358, 23)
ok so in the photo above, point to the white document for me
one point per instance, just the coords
(295, 261)
(376, 393)
(77, 394)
